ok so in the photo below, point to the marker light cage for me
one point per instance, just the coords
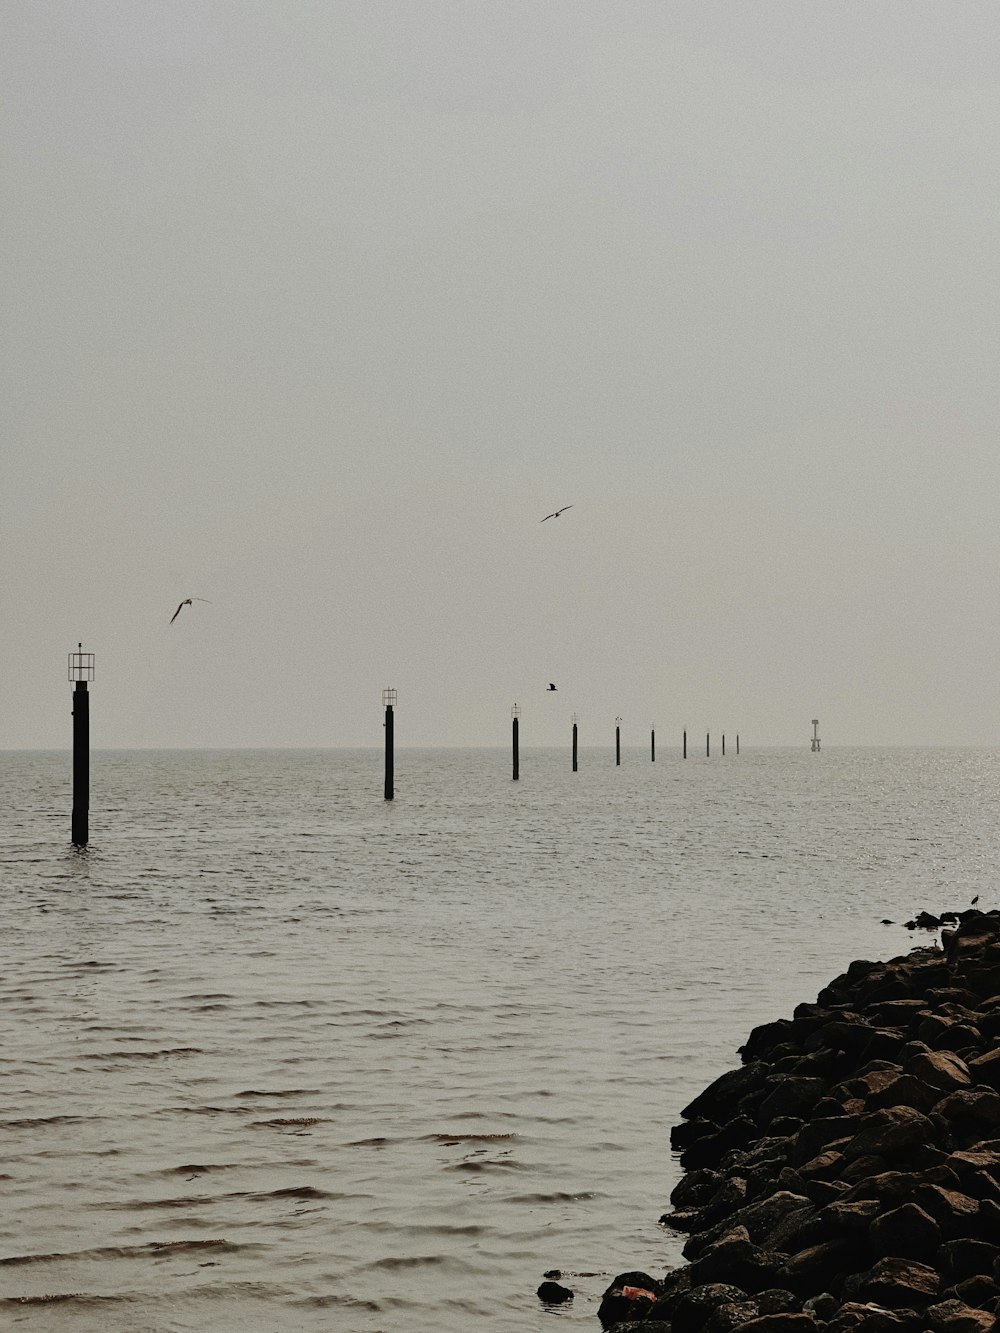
(81, 664)
(389, 698)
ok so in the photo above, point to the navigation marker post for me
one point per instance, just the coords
(81, 670)
(574, 742)
(618, 742)
(389, 699)
(515, 713)
(652, 745)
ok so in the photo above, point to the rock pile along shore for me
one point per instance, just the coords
(847, 1174)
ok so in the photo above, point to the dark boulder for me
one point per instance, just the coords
(896, 1283)
(907, 1231)
(693, 1310)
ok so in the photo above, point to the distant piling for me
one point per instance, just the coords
(723, 745)
(708, 745)
(574, 742)
(515, 714)
(684, 754)
(81, 671)
(389, 699)
(618, 742)
(652, 746)
(737, 742)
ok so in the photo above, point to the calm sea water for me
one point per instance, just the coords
(279, 1055)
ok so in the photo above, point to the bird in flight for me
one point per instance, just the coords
(551, 686)
(186, 602)
(556, 512)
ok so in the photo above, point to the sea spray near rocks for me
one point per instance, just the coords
(847, 1174)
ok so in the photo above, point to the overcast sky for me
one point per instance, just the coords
(315, 308)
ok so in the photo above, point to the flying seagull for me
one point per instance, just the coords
(186, 602)
(556, 512)
(551, 686)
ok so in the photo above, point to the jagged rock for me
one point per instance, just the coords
(822, 1267)
(953, 1211)
(894, 1282)
(872, 1318)
(890, 1132)
(738, 1260)
(956, 1317)
(940, 1069)
(976, 1290)
(985, 1069)
(970, 1113)
(719, 1099)
(622, 1302)
(965, 1257)
(907, 1231)
(692, 1312)
(780, 1323)
(727, 1317)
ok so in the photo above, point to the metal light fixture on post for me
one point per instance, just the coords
(81, 672)
(389, 701)
(515, 713)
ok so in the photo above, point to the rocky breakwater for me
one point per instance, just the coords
(847, 1174)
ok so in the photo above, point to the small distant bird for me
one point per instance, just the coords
(551, 686)
(556, 512)
(974, 901)
(186, 602)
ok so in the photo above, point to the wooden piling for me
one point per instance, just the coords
(389, 699)
(81, 670)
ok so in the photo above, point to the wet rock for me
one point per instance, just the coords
(553, 1293)
(631, 1296)
(694, 1309)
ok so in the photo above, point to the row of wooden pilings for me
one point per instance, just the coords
(389, 701)
(81, 672)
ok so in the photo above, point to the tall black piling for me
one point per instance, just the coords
(574, 742)
(389, 699)
(708, 745)
(652, 746)
(618, 742)
(81, 671)
(723, 745)
(737, 742)
(685, 750)
(515, 713)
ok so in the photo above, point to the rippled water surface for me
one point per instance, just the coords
(279, 1055)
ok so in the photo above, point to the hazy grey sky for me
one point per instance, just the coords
(314, 308)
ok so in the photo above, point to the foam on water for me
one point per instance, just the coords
(279, 1055)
